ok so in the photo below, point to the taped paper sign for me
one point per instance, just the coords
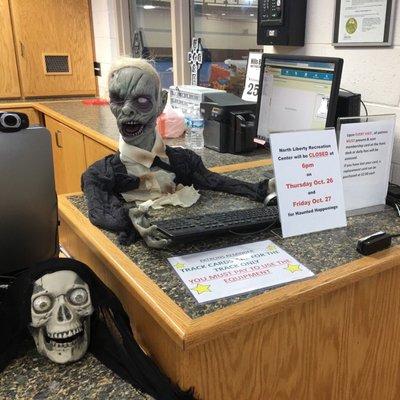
(216, 274)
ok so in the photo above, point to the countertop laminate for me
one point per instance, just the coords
(100, 119)
(318, 251)
(32, 376)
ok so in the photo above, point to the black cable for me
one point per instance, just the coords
(254, 232)
(365, 108)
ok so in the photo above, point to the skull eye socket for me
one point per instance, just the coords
(143, 103)
(42, 303)
(78, 296)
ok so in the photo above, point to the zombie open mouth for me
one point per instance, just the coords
(64, 337)
(131, 129)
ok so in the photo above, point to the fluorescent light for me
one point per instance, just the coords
(251, 15)
(149, 7)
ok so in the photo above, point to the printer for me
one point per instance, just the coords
(229, 123)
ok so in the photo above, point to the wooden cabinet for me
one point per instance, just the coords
(35, 118)
(9, 82)
(68, 156)
(94, 151)
(53, 46)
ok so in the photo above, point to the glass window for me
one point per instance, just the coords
(228, 31)
(151, 31)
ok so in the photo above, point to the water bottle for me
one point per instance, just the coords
(194, 133)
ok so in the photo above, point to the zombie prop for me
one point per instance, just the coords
(145, 168)
(68, 310)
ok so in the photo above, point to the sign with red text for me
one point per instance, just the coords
(230, 271)
(308, 181)
(365, 151)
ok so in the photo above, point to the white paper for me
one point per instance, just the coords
(308, 181)
(365, 151)
(216, 274)
(362, 21)
(251, 86)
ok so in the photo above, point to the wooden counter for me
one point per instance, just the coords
(332, 337)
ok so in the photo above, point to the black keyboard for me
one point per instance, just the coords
(198, 226)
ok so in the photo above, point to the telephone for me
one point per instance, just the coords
(281, 22)
(272, 12)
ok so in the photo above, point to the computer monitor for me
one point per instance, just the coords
(297, 92)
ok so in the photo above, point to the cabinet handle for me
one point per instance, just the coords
(58, 141)
(22, 47)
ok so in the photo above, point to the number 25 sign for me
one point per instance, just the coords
(250, 92)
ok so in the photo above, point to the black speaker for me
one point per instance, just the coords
(348, 104)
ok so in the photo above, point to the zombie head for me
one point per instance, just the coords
(60, 310)
(136, 100)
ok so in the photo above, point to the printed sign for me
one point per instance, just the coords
(308, 181)
(216, 274)
(365, 151)
(250, 91)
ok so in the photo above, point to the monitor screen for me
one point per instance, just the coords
(297, 94)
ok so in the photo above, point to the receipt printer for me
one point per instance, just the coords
(228, 123)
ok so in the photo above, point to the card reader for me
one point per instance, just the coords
(376, 242)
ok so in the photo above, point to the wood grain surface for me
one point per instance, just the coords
(68, 156)
(69, 32)
(9, 81)
(343, 345)
(95, 151)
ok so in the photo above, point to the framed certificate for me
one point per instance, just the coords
(363, 23)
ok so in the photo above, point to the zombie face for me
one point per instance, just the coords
(136, 101)
(60, 311)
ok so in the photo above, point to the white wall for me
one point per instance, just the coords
(374, 72)
(105, 38)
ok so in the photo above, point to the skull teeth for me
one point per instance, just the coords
(63, 335)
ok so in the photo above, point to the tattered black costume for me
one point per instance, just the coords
(111, 340)
(103, 182)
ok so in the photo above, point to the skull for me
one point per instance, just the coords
(60, 312)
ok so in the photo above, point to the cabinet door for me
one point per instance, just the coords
(68, 156)
(9, 83)
(95, 151)
(54, 47)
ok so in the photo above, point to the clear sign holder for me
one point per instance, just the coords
(385, 119)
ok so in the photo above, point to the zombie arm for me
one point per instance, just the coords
(100, 184)
(191, 171)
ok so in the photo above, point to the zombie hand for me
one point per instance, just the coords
(149, 233)
(272, 196)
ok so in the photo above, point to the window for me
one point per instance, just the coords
(228, 31)
(227, 28)
(151, 35)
